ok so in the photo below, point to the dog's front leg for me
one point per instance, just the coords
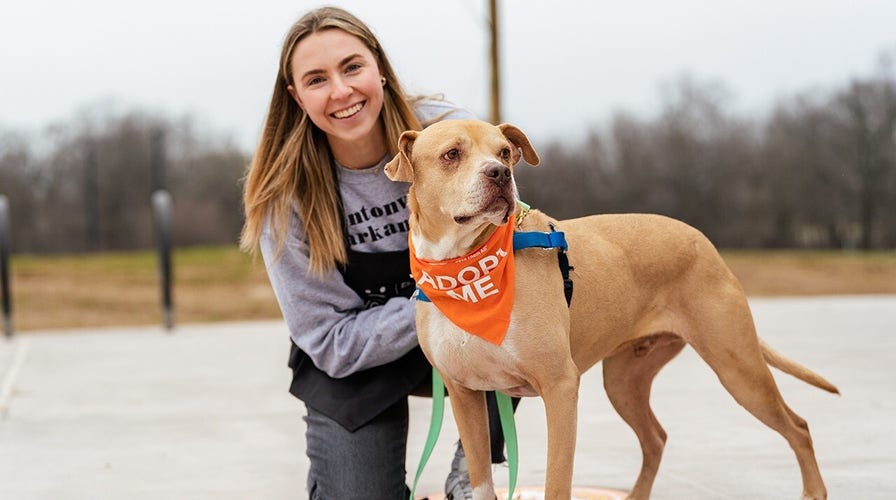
(561, 408)
(472, 424)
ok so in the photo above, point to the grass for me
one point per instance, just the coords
(794, 272)
(109, 289)
(223, 284)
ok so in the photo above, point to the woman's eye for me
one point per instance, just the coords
(314, 81)
(451, 154)
(351, 68)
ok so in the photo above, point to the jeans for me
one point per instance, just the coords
(369, 463)
(365, 464)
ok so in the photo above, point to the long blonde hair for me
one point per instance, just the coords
(292, 165)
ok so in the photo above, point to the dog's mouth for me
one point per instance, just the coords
(498, 205)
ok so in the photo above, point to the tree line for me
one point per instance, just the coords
(819, 171)
(86, 185)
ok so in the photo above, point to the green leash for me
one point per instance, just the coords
(508, 426)
(435, 424)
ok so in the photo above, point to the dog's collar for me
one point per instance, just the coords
(524, 211)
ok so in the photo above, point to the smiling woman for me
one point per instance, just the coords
(333, 231)
(338, 83)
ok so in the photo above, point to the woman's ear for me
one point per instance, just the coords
(295, 95)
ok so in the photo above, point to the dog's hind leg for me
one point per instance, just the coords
(471, 416)
(727, 342)
(628, 376)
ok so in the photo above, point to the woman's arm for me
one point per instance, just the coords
(327, 320)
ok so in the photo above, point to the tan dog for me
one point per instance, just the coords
(645, 286)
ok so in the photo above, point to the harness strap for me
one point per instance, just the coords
(554, 239)
(565, 268)
(536, 239)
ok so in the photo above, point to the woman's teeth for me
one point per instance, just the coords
(345, 113)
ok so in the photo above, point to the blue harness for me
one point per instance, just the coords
(536, 239)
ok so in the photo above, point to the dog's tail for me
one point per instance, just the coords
(790, 367)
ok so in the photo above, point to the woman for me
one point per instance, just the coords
(333, 233)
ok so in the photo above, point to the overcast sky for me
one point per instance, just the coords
(566, 64)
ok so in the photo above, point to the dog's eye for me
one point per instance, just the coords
(505, 154)
(451, 154)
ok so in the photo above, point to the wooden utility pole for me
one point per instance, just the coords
(496, 77)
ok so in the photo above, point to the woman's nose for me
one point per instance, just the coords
(341, 89)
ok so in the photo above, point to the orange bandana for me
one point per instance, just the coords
(475, 292)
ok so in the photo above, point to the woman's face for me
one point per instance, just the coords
(337, 81)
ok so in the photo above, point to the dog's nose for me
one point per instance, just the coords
(498, 173)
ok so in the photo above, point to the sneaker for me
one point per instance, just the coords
(457, 484)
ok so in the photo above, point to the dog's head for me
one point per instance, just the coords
(461, 171)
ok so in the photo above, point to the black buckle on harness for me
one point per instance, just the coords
(565, 268)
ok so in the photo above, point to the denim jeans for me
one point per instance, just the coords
(365, 464)
(369, 463)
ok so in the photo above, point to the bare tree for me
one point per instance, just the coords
(16, 185)
(91, 187)
(865, 116)
(805, 193)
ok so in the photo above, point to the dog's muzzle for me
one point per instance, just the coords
(498, 173)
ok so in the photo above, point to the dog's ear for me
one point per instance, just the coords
(400, 168)
(519, 139)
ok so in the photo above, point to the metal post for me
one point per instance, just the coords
(161, 204)
(5, 289)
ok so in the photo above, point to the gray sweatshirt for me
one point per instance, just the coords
(327, 319)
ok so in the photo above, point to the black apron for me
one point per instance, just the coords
(357, 399)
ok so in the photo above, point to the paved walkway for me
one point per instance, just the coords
(203, 413)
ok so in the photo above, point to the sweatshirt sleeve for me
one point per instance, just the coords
(327, 320)
(434, 110)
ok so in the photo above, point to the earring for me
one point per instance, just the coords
(383, 81)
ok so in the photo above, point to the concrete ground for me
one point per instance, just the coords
(203, 413)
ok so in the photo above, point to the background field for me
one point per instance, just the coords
(222, 284)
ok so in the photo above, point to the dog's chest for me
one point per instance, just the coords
(466, 359)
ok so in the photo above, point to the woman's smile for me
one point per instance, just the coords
(349, 111)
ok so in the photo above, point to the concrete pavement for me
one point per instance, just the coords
(203, 413)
